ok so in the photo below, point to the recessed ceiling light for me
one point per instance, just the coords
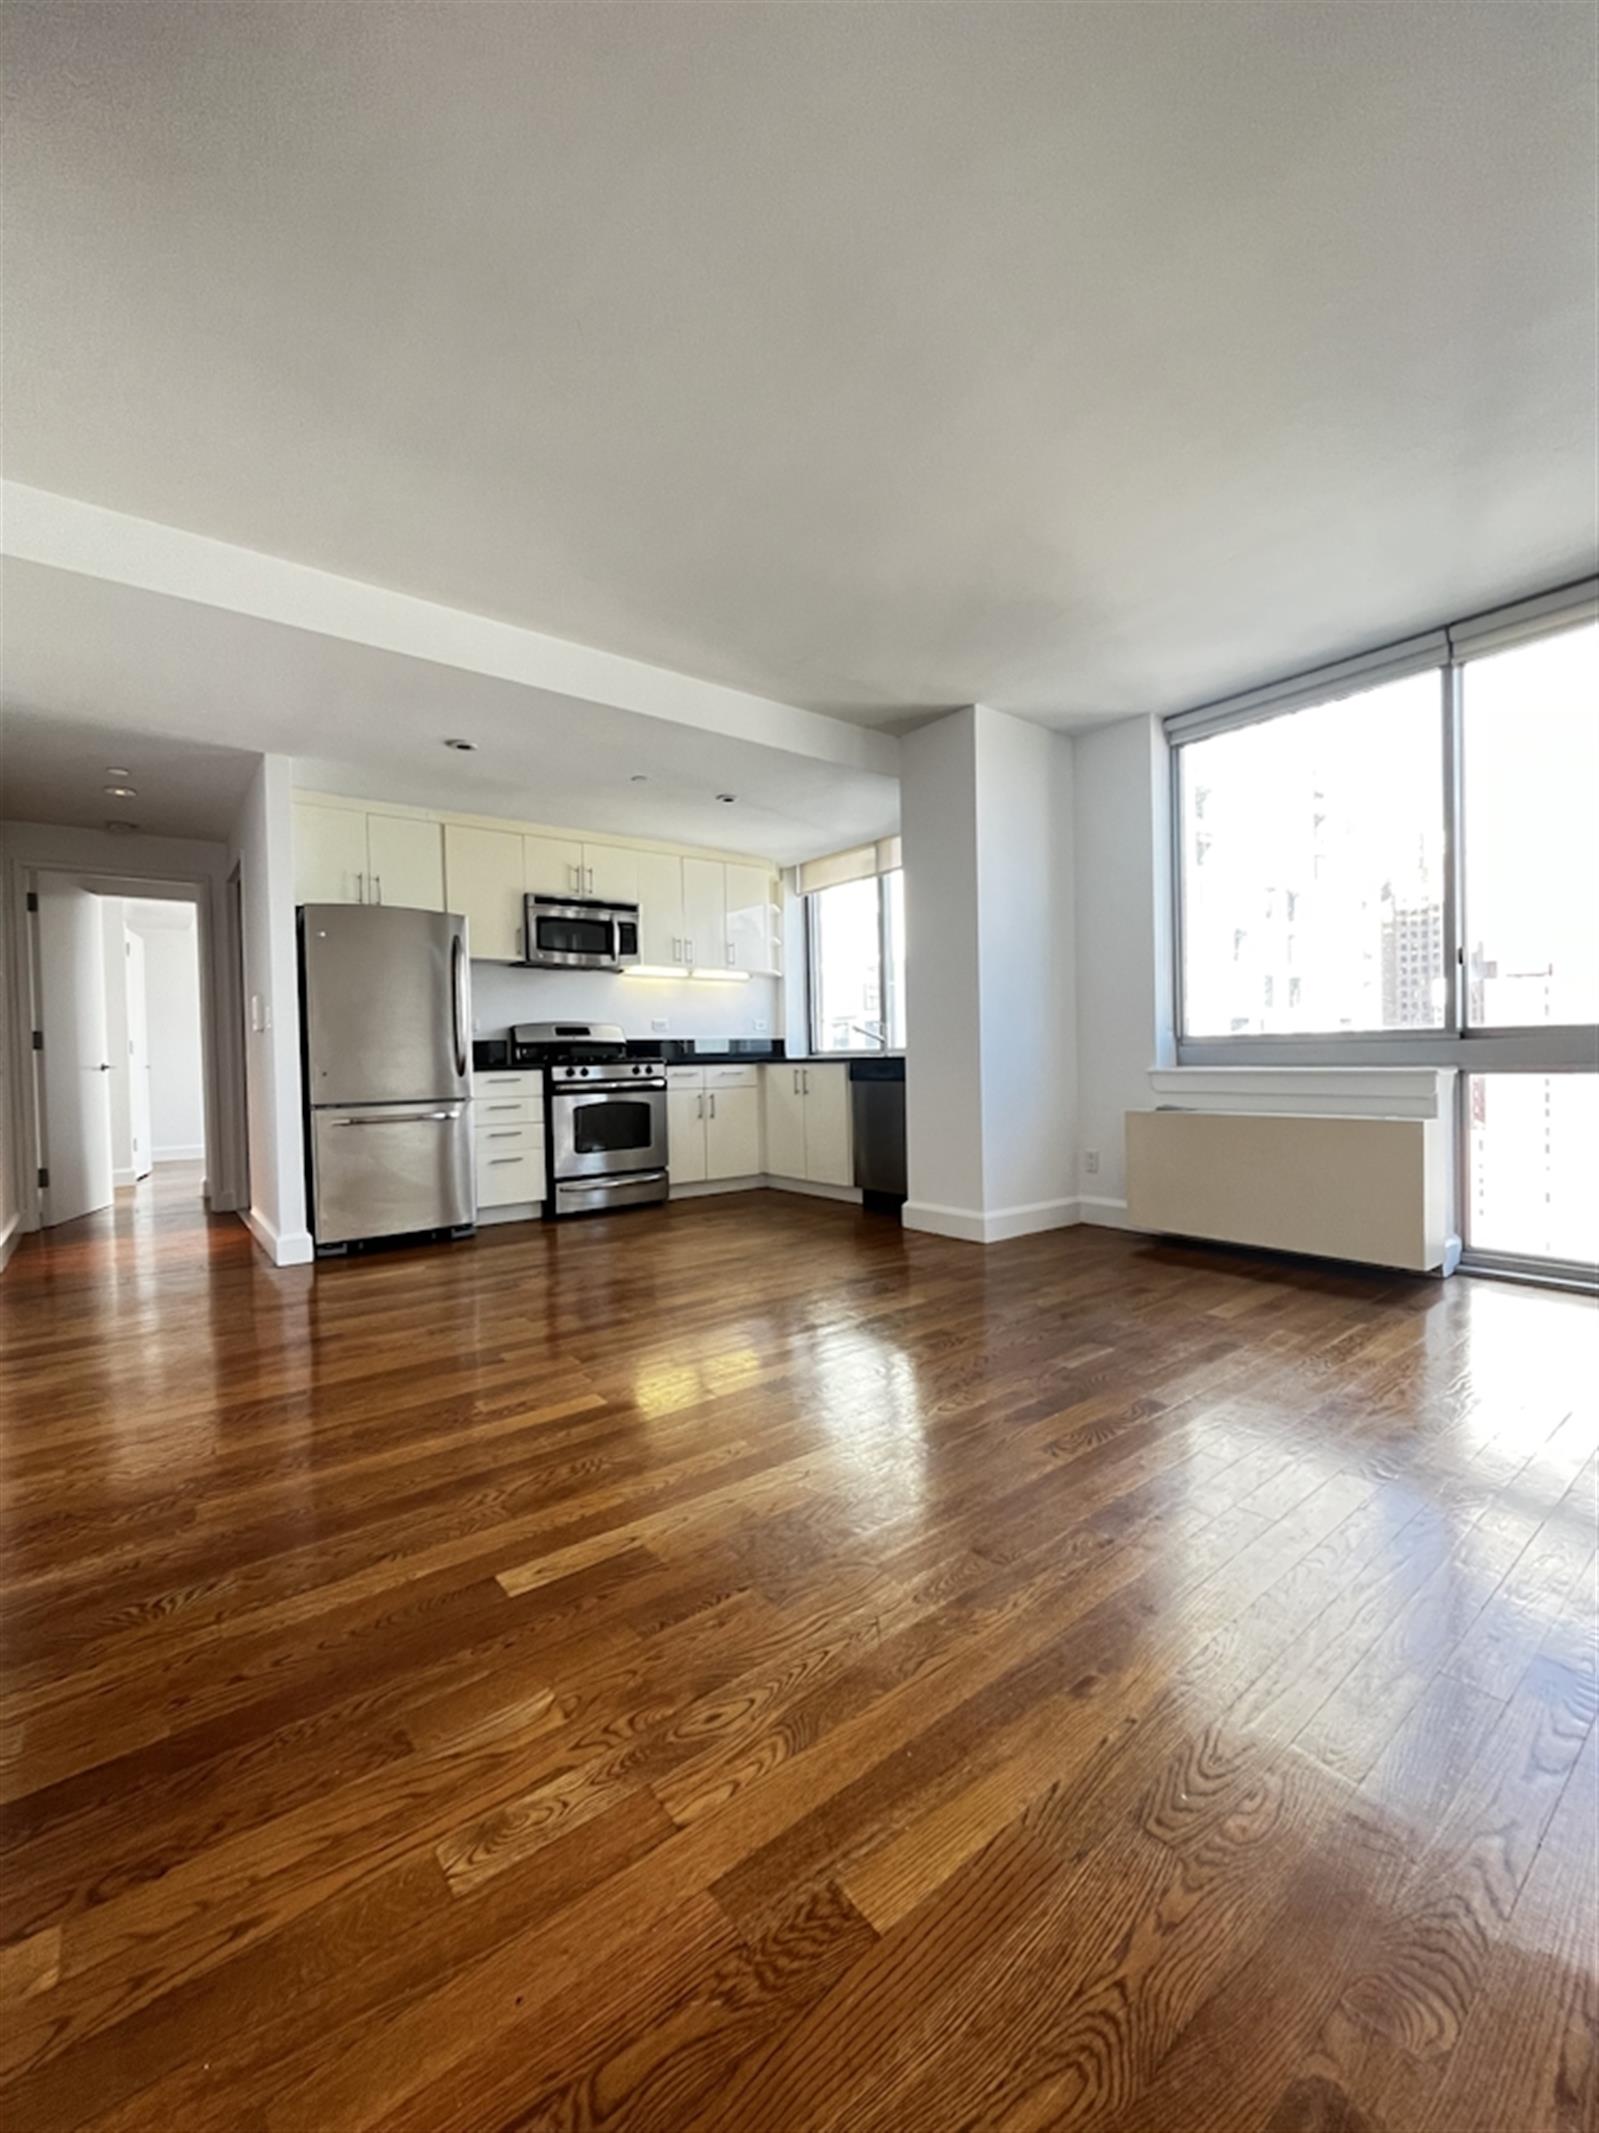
(464, 747)
(639, 777)
(116, 770)
(121, 792)
(727, 798)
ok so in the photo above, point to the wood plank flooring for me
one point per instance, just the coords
(737, 1666)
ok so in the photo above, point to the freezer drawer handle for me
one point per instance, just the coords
(406, 1118)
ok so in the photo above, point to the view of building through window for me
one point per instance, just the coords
(857, 942)
(1534, 1165)
(1313, 869)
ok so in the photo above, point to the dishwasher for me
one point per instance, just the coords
(877, 1115)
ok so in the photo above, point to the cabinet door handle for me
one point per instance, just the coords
(501, 1133)
(806, 1072)
(700, 1112)
(495, 1160)
(360, 888)
(377, 883)
(713, 1107)
(689, 948)
(730, 955)
(590, 871)
(796, 1081)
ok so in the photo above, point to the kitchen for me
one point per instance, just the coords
(550, 1024)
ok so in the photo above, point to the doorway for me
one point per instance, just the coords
(120, 1048)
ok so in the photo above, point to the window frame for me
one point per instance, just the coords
(1468, 1048)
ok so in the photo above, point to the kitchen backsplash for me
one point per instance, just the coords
(503, 994)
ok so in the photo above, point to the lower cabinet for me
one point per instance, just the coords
(713, 1118)
(808, 1124)
(508, 1139)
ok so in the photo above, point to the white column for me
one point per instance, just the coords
(986, 809)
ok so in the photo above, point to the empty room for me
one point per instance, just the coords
(799, 1066)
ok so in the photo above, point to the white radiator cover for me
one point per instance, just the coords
(1355, 1186)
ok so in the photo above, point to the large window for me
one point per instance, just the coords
(1313, 875)
(857, 964)
(1406, 868)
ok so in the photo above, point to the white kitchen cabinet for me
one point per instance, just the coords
(610, 872)
(733, 1131)
(330, 861)
(552, 866)
(808, 1124)
(785, 1121)
(508, 1138)
(660, 902)
(483, 878)
(405, 859)
(685, 1135)
(751, 940)
(705, 913)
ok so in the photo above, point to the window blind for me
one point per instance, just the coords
(859, 863)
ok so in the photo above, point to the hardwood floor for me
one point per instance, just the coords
(739, 1666)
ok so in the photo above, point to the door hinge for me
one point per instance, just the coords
(33, 900)
(38, 1040)
(44, 1175)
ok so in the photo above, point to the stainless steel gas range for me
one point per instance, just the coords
(606, 1112)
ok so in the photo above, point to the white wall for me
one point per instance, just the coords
(986, 807)
(1124, 943)
(263, 847)
(172, 1003)
(502, 995)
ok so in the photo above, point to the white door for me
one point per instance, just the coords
(330, 863)
(406, 859)
(705, 913)
(829, 1158)
(685, 1135)
(483, 879)
(76, 1072)
(785, 1121)
(749, 918)
(733, 1133)
(660, 908)
(610, 872)
(138, 1055)
(553, 866)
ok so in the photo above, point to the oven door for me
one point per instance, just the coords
(604, 1133)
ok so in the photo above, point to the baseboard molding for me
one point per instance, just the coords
(177, 1155)
(703, 1188)
(121, 1178)
(1103, 1213)
(283, 1248)
(970, 1225)
(517, 1211)
(851, 1193)
(10, 1238)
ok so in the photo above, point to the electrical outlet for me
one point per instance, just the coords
(1091, 1162)
(660, 1024)
(761, 1026)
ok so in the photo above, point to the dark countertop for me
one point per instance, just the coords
(488, 1052)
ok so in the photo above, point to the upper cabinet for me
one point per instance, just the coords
(484, 873)
(343, 856)
(752, 921)
(694, 913)
(705, 914)
(553, 866)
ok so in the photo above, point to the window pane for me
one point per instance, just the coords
(894, 927)
(846, 973)
(1312, 856)
(1534, 1165)
(1531, 780)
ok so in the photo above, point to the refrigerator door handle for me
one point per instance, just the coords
(397, 1118)
(458, 998)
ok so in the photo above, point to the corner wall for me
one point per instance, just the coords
(990, 980)
(1124, 944)
(263, 848)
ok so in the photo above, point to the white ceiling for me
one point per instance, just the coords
(198, 691)
(1074, 359)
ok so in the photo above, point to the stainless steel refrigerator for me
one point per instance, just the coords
(386, 1036)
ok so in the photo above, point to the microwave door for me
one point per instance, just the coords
(578, 937)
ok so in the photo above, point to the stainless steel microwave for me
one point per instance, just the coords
(580, 933)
